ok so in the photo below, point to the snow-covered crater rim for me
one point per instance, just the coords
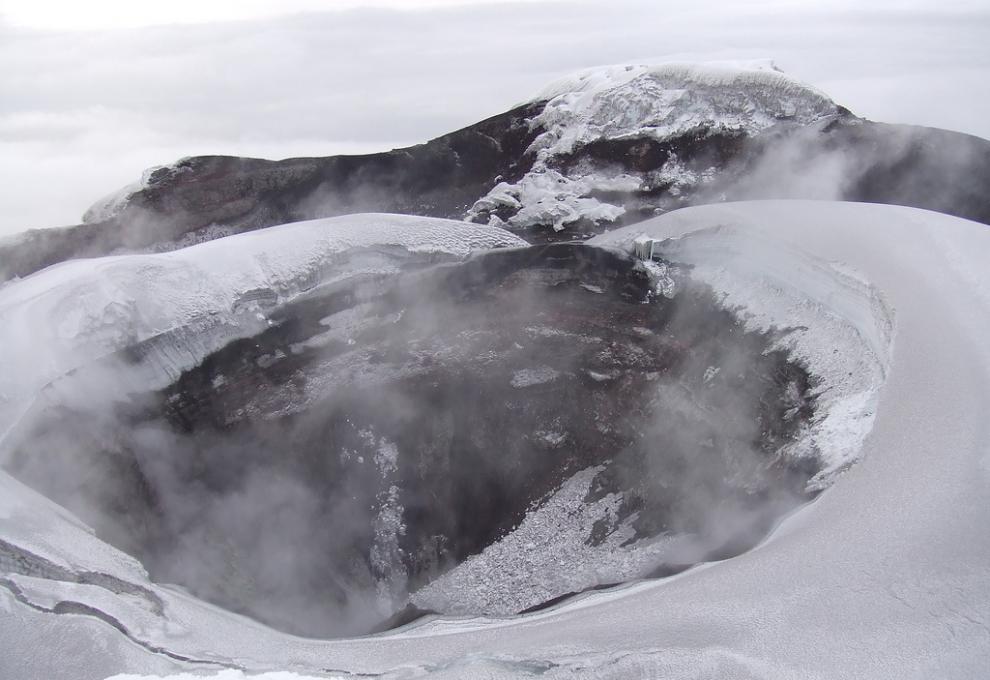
(830, 318)
(206, 294)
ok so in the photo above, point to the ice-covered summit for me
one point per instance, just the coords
(663, 101)
(678, 109)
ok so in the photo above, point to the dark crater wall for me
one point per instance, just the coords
(383, 430)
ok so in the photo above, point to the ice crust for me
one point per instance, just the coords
(883, 576)
(548, 197)
(545, 557)
(660, 102)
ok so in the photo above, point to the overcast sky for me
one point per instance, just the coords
(93, 92)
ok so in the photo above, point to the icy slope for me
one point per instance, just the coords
(197, 299)
(662, 103)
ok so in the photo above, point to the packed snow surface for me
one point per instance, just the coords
(660, 102)
(883, 576)
(194, 300)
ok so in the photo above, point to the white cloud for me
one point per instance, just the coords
(72, 15)
(83, 112)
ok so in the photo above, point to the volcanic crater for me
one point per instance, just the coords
(385, 429)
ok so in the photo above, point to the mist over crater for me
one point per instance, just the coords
(472, 437)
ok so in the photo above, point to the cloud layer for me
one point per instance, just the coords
(83, 112)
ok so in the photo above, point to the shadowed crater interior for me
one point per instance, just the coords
(385, 430)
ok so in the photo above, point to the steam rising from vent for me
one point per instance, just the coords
(439, 437)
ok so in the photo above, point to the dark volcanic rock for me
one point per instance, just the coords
(385, 429)
(845, 158)
(842, 157)
(851, 159)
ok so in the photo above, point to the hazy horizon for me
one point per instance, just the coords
(84, 111)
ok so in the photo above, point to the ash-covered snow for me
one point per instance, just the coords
(659, 102)
(388, 526)
(195, 300)
(386, 555)
(663, 282)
